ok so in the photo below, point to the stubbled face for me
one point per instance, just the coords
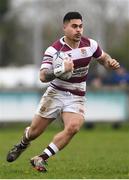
(73, 29)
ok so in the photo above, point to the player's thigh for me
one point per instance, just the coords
(39, 123)
(72, 119)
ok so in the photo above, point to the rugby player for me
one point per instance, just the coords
(64, 97)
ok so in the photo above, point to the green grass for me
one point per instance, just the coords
(100, 153)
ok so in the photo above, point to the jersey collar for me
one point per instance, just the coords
(64, 43)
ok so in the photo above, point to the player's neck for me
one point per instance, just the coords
(72, 44)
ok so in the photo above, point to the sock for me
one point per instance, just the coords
(23, 145)
(49, 151)
(25, 139)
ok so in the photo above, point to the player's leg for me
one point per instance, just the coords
(73, 116)
(37, 127)
(72, 124)
(45, 113)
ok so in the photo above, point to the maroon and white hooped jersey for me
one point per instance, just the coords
(81, 57)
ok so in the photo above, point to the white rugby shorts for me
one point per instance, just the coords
(54, 102)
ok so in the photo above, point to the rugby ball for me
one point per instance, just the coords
(57, 62)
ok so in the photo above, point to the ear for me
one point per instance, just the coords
(64, 26)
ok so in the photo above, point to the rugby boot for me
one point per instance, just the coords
(15, 152)
(39, 163)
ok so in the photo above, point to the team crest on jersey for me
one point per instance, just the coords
(83, 51)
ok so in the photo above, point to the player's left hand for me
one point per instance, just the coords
(113, 64)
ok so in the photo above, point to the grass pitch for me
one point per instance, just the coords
(100, 153)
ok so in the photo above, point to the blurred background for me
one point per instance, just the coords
(28, 27)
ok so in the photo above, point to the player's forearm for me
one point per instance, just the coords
(108, 62)
(46, 75)
(104, 60)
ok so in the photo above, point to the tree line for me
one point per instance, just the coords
(105, 21)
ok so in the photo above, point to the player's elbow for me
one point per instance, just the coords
(42, 76)
(42, 79)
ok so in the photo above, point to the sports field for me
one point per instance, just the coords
(98, 153)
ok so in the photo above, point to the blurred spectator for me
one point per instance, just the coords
(117, 77)
(120, 76)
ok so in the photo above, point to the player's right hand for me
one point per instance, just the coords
(68, 65)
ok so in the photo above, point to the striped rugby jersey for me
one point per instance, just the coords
(81, 57)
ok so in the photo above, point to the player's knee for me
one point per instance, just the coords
(73, 129)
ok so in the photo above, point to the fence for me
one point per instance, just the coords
(104, 105)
